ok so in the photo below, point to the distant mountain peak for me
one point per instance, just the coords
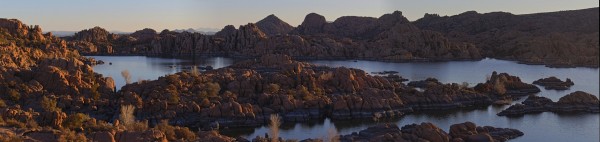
(272, 25)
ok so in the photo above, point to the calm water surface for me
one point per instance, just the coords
(537, 127)
(150, 68)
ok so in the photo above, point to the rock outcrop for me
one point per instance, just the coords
(468, 131)
(505, 85)
(553, 83)
(556, 39)
(576, 102)
(272, 25)
(428, 132)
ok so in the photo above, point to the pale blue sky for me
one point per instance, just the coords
(131, 15)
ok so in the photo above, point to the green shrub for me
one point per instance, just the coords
(174, 98)
(14, 95)
(304, 93)
(213, 89)
(273, 88)
(49, 105)
(76, 120)
(174, 133)
(71, 136)
(2, 104)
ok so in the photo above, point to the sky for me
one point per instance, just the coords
(132, 15)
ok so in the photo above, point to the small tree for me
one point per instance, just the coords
(273, 88)
(333, 135)
(76, 120)
(49, 105)
(213, 89)
(127, 118)
(274, 124)
(126, 76)
(195, 71)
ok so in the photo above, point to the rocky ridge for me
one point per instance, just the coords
(553, 39)
(576, 102)
(344, 38)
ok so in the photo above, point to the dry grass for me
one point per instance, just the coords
(126, 76)
(195, 71)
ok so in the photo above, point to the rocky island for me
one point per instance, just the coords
(576, 102)
(553, 83)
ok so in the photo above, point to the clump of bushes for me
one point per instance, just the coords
(71, 136)
(49, 105)
(75, 121)
(273, 88)
(174, 133)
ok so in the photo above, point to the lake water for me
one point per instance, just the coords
(150, 68)
(537, 127)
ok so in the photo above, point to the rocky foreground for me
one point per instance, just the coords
(576, 102)
(556, 39)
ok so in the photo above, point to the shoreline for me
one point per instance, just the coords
(308, 58)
